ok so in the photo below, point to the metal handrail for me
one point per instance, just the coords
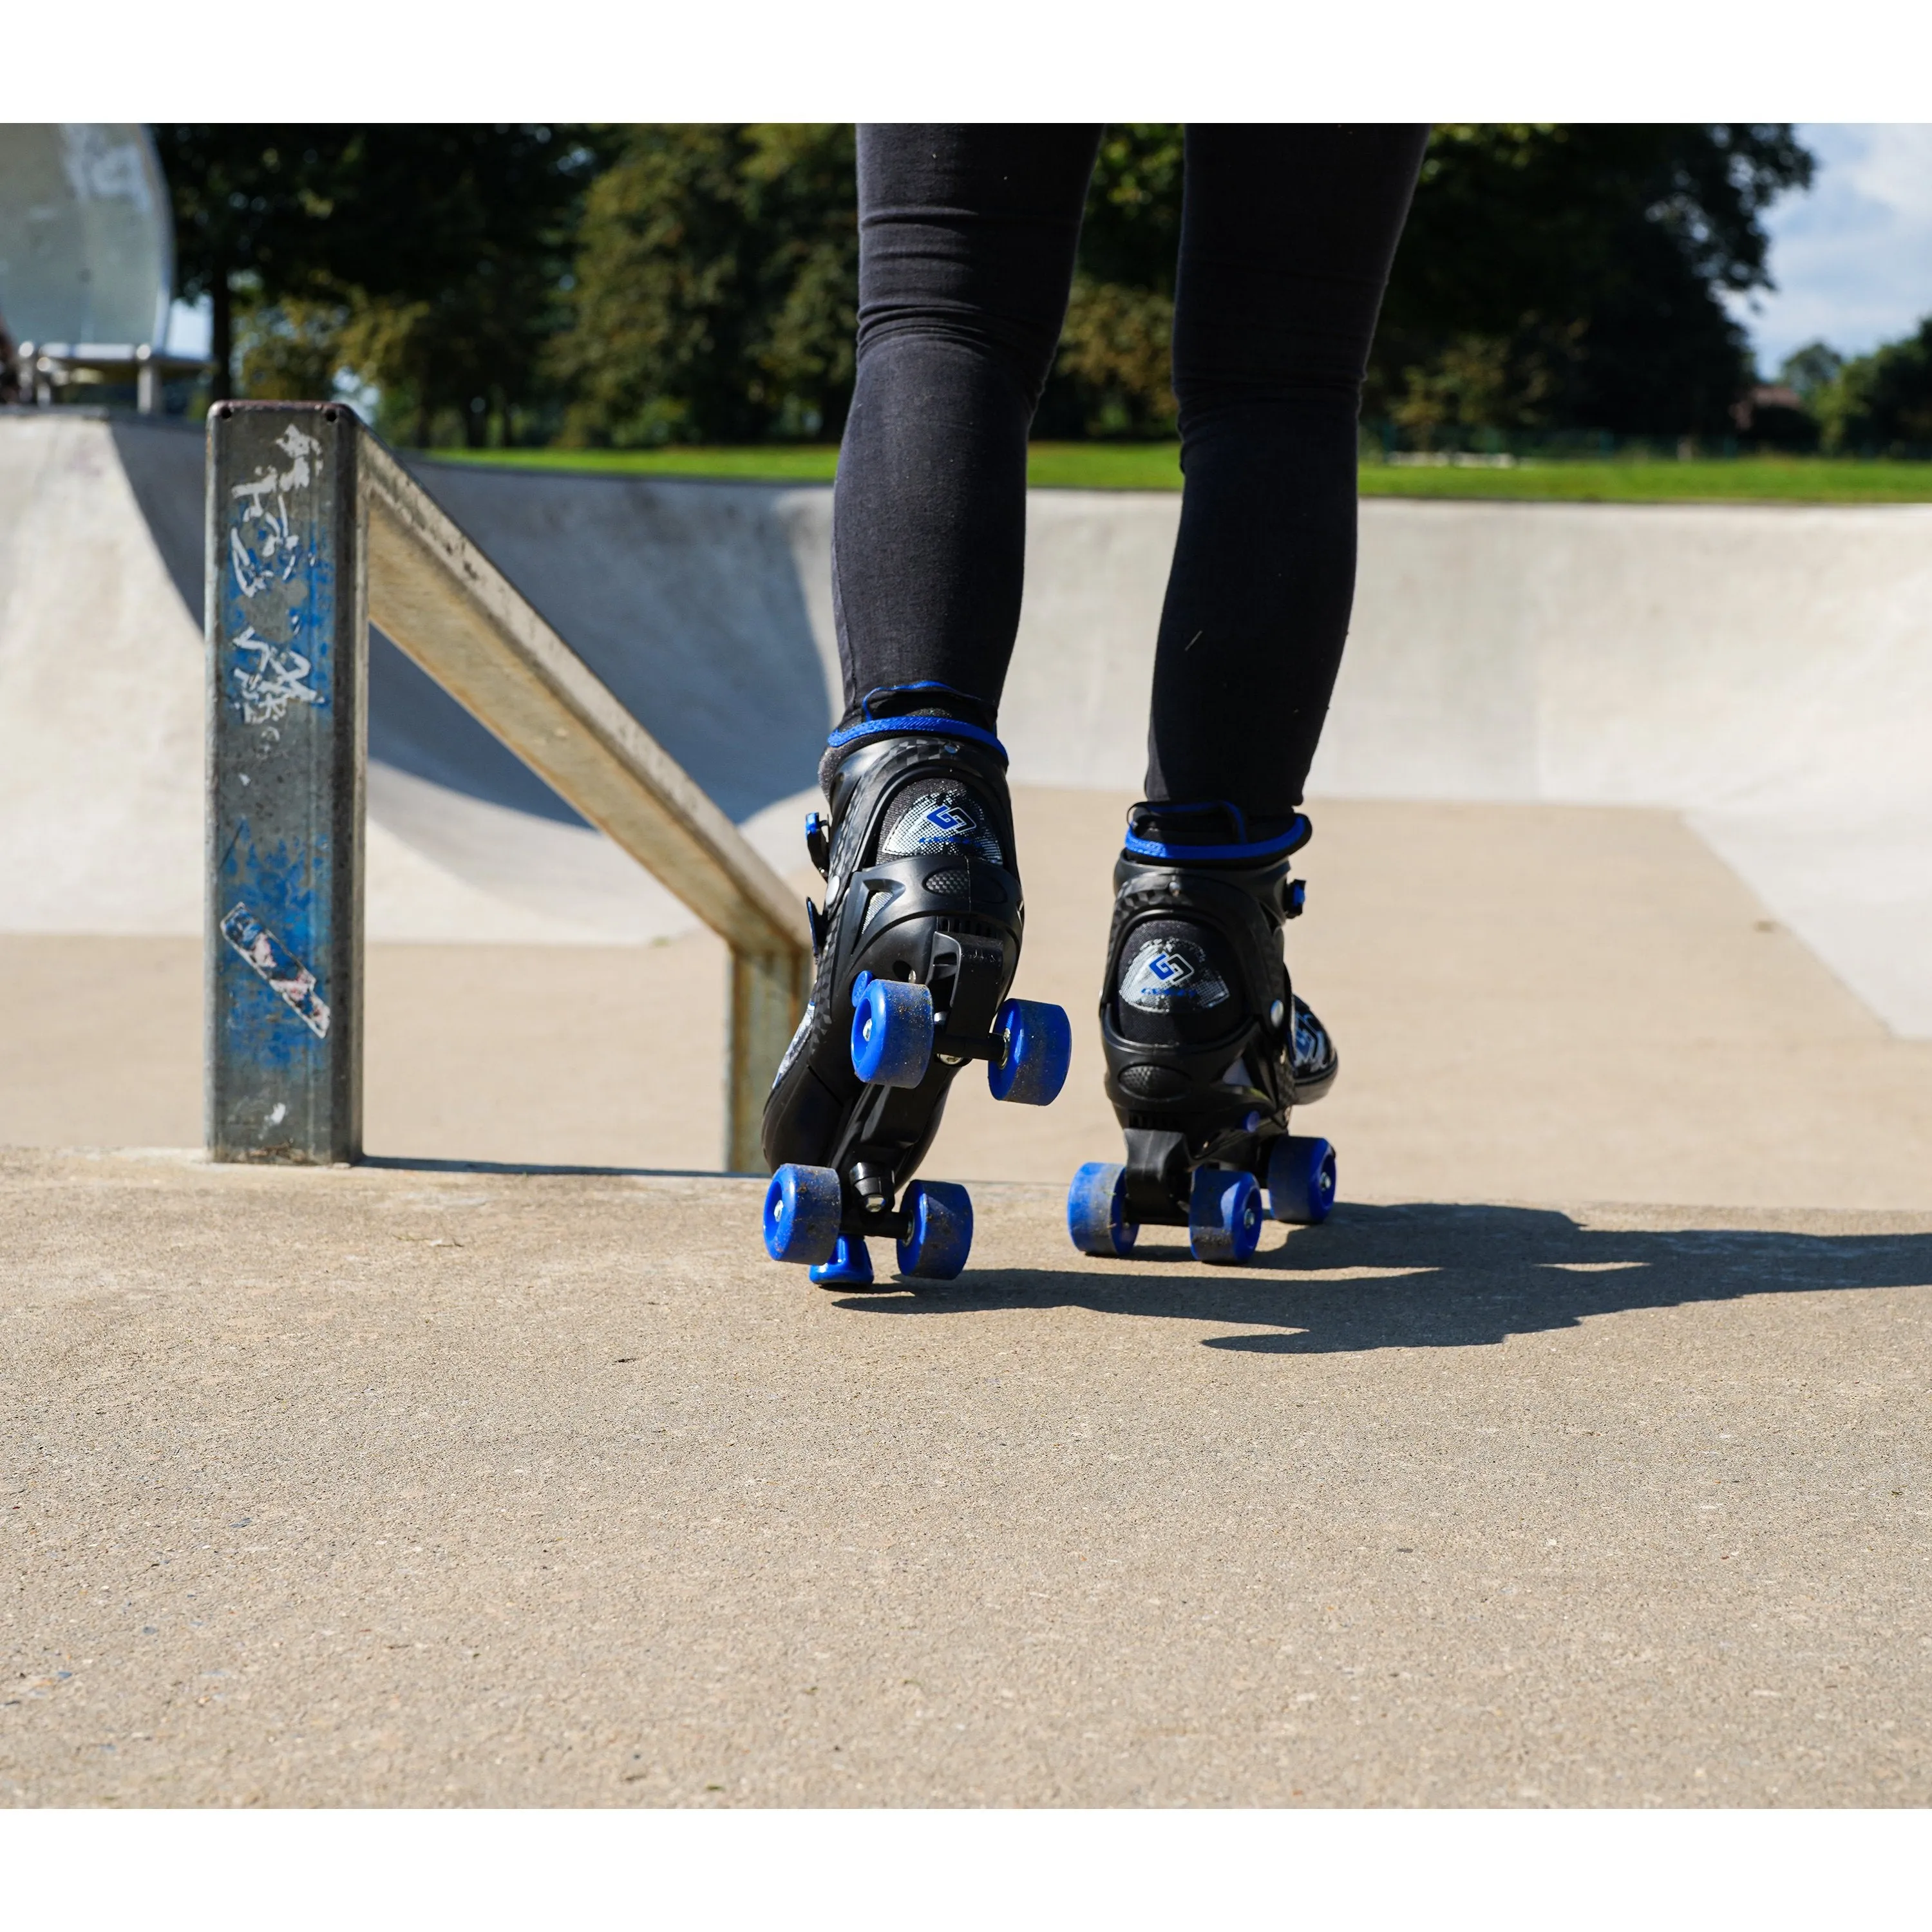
(304, 503)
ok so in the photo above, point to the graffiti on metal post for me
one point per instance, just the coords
(267, 545)
(278, 680)
(262, 547)
(284, 972)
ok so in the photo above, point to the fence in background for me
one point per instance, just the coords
(313, 529)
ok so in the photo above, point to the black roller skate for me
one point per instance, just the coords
(917, 949)
(1208, 1047)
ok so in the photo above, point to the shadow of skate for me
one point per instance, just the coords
(1429, 1276)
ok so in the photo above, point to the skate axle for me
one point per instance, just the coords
(954, 1048)
(866, 1217)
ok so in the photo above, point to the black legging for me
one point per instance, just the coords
(966, 247)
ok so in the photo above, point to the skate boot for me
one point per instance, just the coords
(1207, 1048)
(915, 951)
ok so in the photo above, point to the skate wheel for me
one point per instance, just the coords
(803, 1206)
(940, 1214)
(1301, 1179)
(1224, 1215)
(851, 1266)
(891, 1033)
(1038, 1049)
(1096, 1209)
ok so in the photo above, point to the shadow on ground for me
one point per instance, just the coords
(1432, 1276)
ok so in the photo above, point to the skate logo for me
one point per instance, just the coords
(941, 820)
(1311, 1043)
(1168, 975)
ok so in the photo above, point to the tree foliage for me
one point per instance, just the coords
(1112, 377)
(641, 284)
(1549, 277)
(426, 260)
(715, 287)
(1574, 276)
(1879, 404)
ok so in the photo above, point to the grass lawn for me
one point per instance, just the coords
(1117, 465)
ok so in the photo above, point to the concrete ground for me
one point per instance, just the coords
(384, 1487)
(422, 1485)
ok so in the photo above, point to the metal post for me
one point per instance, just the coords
(147, 381)
(767, 994)
(287, 704)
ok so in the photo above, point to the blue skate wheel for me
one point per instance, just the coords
(940, 1234)
(802, 1206)
(1096, 1209)
(851, 1266)
(1301, 1179)
(891, 1033)
(1224, 1215)
(1038, 1049)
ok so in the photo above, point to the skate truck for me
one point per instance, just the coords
(905, 1051)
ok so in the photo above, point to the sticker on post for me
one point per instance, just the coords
(285, 973)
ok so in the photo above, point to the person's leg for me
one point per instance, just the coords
(1287, 234)
(967, 237)
(966, 245)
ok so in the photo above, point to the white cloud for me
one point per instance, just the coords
(1853, 259)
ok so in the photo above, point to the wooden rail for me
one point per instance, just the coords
(449, 608)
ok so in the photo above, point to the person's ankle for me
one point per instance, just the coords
(1211, 832)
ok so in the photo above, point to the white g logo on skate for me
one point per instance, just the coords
(943, 819)
(1166, 975)
(1170, 969)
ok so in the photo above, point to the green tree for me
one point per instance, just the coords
(1550, 276)
(1881, 404)
(1113, 375)
(1586, 265)
(715, 287)
(1811, 370)
(428, 260)
(252, 207)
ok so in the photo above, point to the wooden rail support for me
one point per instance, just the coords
(447, 606)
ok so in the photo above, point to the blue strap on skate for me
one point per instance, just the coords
(917, 724)
(1240, 847)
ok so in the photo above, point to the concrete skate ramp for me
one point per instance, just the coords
(1768, 671)
(691, 605)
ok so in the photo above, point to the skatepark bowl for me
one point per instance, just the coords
(1580, 1458)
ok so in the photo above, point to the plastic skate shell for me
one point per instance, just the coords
(915, 950)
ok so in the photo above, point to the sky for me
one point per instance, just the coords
(1852, 258)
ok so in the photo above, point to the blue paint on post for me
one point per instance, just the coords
(287, 676)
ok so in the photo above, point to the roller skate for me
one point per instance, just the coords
(1208, 1047)
(915, 951)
